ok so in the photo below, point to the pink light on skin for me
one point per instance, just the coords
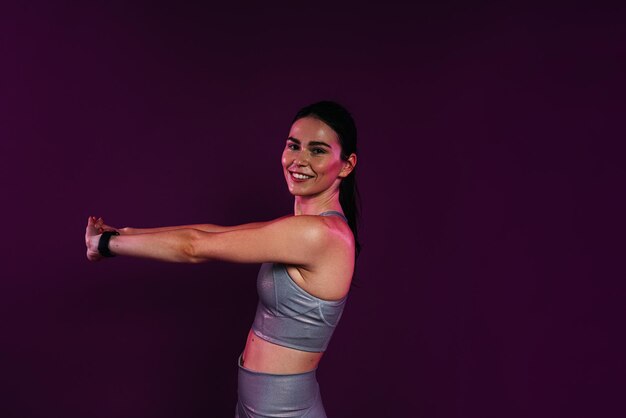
(312, 164)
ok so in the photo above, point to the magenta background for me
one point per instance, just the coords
(491, 282)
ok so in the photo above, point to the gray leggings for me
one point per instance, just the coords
(278, 395)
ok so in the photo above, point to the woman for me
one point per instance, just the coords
(308, 263)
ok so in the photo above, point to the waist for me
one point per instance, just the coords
(273, 395)
(263, 356)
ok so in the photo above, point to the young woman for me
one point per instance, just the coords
(308, 262)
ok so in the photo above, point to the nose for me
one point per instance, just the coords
(300, 160)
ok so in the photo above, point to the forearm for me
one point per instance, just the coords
(202, 227)
(172, 245)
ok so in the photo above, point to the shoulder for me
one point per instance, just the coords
(317, 236)
(308, 229)
(317, 227)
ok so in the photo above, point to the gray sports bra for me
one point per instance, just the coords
(288, 315)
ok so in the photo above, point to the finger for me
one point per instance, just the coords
(91, 228)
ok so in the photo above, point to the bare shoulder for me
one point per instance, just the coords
(312, 229)
(329, 273)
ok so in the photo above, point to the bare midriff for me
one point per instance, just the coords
(266, 357)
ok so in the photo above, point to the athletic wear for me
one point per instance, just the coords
(265, 395)
(288, 315)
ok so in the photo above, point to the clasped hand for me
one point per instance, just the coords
(95, 228)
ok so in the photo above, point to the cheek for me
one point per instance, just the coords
(332, 166)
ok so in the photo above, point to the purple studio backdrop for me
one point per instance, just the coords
(490, 282)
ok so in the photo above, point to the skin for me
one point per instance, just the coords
(318, 251)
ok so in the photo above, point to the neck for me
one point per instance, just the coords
(314, 205)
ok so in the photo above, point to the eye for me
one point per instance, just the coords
(292, 146)
(318, 151)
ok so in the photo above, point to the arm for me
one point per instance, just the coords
(201, 227)
(298, 240)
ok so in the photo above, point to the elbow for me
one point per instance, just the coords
(190, 249)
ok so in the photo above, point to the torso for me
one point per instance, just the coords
(331, 281)
(264, 356)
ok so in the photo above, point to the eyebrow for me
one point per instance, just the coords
(313, 143)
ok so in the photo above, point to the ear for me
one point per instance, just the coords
(348, 166)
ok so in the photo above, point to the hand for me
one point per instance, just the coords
(101, 226)
(92, 237)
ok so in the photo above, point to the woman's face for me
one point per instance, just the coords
(311, 159)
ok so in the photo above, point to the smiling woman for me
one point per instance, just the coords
(312, 159)
(307, 263)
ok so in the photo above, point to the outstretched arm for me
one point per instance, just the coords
(201, 227)
(298, 240)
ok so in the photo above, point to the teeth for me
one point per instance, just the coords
(300, 176)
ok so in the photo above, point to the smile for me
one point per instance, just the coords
(299, 176)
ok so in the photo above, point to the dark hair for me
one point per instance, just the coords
(340, 120)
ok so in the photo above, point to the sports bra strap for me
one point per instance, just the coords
(335, 213)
